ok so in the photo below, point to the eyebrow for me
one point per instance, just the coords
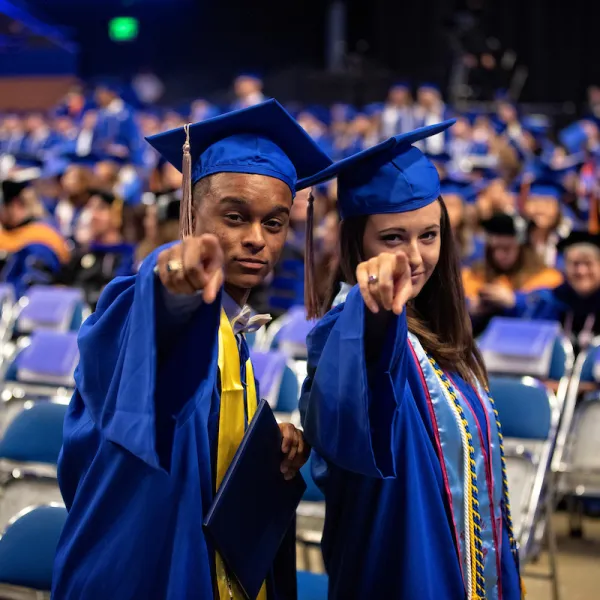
(402, 230)
(241, 203)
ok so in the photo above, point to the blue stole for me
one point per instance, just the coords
(484, 546)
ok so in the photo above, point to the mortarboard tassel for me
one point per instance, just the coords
(186, 220)
(593, 220)
(523, 195)
(310, 293)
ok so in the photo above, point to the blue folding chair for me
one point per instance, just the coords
(42, 366)
(50, 308)
(529, 414)
(312, 586)
(518, 347)
(27, 549)
(28, 457)
(576, 458)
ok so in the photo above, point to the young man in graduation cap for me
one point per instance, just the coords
(165, 389)
(30, 247)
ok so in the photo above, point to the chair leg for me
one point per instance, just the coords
(575, 508)
(551, 539)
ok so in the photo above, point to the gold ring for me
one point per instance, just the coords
(174, 265)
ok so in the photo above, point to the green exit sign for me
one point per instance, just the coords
(123, 29)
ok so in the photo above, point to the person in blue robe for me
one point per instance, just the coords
(575, 303)
(116, 130)
(30, 248)
(106, 256)
(165, 389)
(409, 448)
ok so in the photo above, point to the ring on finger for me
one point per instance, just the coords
(174, 265)
(373, 279)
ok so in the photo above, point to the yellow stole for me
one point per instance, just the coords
(231, 429)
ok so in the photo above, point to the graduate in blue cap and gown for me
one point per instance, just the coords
(153, 425)
(409, 448)
(116, 131)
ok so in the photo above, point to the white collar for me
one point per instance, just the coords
(116, 106)
(242, 318)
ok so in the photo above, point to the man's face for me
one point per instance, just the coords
(250, 216)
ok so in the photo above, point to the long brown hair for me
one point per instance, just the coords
(528, 264)
(438, 315)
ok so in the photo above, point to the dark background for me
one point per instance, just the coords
(197, 46)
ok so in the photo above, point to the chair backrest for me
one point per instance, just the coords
(51, 308)
(268, 369)
(525, 407)
(590, 365)
(289, 392)
(50, 358)
(35, 435)
(28, 546)
(519, 347)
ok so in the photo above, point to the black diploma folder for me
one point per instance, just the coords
(254, 505)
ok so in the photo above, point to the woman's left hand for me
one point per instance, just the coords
(498, 295)
(294, 447)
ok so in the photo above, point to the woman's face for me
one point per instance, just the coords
(503, 251)
(74, 181)
(416, 233)
(582, 269)
(543, 211)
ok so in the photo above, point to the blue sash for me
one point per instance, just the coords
(450, 437)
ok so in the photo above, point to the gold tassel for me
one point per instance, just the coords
(186, 219)
(310, 292)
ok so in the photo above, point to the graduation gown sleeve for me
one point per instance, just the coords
(349, 406)
(131, 395)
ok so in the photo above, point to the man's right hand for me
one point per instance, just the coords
(193, 265)
(385, 282)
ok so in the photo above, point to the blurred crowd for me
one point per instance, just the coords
(85, 199)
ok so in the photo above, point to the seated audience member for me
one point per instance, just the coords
(106, 256)
(494, 198)
(75, 184)
(575, 303)
(30, 247)
(548, 225)
(458, 198)
(161, 224)
(510, 270)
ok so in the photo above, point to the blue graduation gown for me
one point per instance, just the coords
(388, 530)
(136, 469)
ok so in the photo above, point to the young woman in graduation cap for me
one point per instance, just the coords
(165, 388)
(410, 453)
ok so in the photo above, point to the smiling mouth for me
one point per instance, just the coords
(251, 263)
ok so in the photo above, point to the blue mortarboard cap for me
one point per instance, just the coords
(92, 159)
(342, 112)
(249, 75)
(442, 158)
(537, 125)
(458, 187)
(374, 108)
(573, 137)
(553, 189)
(25, 160)
(428, 85)
(112, 85)
(262, 139)
(401, 84)
(54, 167)
(391, 177)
